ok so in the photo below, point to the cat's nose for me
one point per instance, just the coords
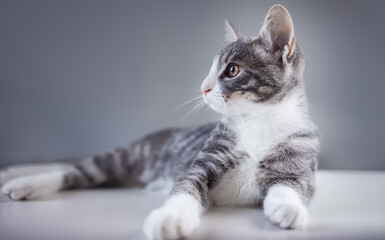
(207, 85)
(205, 91)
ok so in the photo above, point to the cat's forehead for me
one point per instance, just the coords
(246, 51)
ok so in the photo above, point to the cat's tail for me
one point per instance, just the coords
(132, 165)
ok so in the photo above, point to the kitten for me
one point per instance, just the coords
(264, 151)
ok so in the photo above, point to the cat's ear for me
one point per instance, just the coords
(231, 34)
(278, 30)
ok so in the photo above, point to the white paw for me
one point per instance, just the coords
(34, 186)
(178, 218)
(284, 208)
(23, 170)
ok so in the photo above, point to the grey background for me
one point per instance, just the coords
(81, 77)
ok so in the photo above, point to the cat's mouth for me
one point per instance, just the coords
(216, 103)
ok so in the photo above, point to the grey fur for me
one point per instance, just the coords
(261, 71)
(292, 162)
(167, 153)
(197, 159)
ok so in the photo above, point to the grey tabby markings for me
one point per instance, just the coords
(262, 81)
(215, 158)
(292, 163)
(197, 158)
(167, 153)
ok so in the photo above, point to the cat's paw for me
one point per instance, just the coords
(168, 223)
(35, 186)
(24, 170)
(178, 218)
(284, 208)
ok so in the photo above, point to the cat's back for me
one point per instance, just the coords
(174, 148)
(176, 139)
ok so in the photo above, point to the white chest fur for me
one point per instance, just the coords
(257, 135)
(238, 186)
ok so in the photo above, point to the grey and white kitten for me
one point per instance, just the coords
(264, 151)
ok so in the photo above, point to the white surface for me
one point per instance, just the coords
(348, 205)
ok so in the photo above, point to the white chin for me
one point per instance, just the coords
(216, 109)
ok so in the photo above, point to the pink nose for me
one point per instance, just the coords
(205, 89)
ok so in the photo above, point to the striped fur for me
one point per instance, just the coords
(264, 151)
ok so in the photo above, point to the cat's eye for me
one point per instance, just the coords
(232, 70)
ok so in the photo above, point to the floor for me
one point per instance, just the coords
(348, 205)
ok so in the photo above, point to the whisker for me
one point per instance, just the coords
(212, 114)
(188, 114)
(188, 101)
(200, 107)
(243, 122)
(244, 125)
(224, 117)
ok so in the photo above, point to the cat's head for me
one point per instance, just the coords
(253, 72)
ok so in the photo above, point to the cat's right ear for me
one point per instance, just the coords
(278, 31)
(231, 34)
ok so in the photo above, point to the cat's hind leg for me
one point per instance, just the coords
(27, 182)
(129, 166)
(35, 181)
(123, 166)
(23, 170)
(34, 186)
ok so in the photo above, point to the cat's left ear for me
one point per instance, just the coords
(231, 34)
(278, 30)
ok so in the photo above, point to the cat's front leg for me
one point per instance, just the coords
(286, 177)
(177, 218)
(284, 208)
